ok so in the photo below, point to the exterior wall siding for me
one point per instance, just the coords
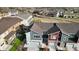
(33, 38)
(33, 43)
(64, 37)
(30, 37)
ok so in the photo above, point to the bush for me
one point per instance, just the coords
(16, 43)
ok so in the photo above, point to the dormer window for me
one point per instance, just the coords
(36, 36)
(53, 36)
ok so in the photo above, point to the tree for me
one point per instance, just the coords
(20, 33)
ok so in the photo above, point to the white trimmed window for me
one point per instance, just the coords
(53, 36)
(37, 37)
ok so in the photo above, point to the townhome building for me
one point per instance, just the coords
(53, 35)
(39, 33)
(8, 27)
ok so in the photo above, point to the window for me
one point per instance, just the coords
(54, 36)
(2, 44)
(37, 36)
(6, 42)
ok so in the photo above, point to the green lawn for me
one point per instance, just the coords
(15, 44)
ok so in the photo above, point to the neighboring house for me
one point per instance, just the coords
(8, 27)
(12, 12)
(9, 24)
(3, 14)
(60, 14)
(71, 14)
(51, 13)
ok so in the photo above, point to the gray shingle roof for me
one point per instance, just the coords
(7, 22)
(44, 27)
(64, 27)
(53, 29)
(68, 27)
(41, 27)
